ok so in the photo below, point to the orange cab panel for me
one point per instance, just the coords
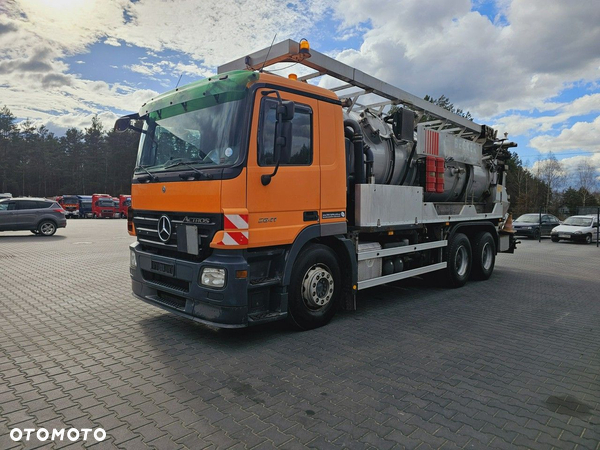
(188, 196)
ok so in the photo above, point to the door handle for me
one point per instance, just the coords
(311, 216)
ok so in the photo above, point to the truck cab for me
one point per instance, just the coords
(124, 204)
(85, 206)
(103, 206)
(70, 204)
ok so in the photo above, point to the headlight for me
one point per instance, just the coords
(527, 228)
(132, 260)
(212, 277)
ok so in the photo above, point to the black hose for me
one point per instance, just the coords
(357, 140)
(408, 161)
(369, 161)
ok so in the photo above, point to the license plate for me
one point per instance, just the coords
(169, 269)
(565, 236)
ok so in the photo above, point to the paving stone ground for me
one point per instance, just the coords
(510, 362)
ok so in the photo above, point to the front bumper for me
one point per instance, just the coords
(179, 292)
(525, 232)
(569, 236)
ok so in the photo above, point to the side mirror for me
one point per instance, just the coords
(283, 133)
(286, 109)
(122, 124)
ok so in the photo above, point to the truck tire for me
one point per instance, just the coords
(47, 228)
(315, 288)
(484, 256)
(459, 261)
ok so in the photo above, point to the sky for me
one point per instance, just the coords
(530, 68)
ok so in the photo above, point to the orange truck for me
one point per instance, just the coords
(257, 197)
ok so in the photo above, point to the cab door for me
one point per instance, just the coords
(278, 211)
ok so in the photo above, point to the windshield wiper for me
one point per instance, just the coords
(198, 174)
(150, 174)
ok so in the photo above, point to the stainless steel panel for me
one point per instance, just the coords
(369, 268)
(450, 146)
(379, 205)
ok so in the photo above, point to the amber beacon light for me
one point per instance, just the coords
(304, 51)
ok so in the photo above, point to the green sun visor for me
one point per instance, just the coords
(201, 94)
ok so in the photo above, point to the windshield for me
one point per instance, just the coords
(529, 218)
(70, 200)
(205, 138)
(106, 202)
(578, 221)
(86, 204)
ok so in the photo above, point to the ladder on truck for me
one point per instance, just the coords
(359, 90)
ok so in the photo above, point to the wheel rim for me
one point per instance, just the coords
(487, 256)
(317, 287)
(461, 262)
(588, 239)
(47, 228)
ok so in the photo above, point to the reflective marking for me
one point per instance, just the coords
(236, 221)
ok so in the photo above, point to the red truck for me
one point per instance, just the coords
(102, 206)
(124, 204)
(70, 204)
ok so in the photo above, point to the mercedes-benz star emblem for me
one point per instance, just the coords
(164, 228)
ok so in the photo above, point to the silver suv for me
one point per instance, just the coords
(39, 215)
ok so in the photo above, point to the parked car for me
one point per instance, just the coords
(39, 215)
(577, 228)
(529, 225)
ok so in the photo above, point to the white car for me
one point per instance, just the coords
(577, 228)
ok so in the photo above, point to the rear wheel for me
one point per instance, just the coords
(459, 261)
(484, 256)
(315, 288)
(47, 228)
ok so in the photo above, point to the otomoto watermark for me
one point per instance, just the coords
(71, 434)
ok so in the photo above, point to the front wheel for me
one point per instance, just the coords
(536, 234)
(484, 256)
(555, 238)
(47, 228)
(459, 261)
(315, 288)
(588, 238)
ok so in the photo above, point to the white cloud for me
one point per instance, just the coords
(432, 47)
(215, 34)
(112, 41)
(581, 136)
(522, 125)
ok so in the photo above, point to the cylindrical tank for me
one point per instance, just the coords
(395, 162)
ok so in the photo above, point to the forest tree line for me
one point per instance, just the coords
(34, 162)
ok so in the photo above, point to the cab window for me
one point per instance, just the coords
(299, 153)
